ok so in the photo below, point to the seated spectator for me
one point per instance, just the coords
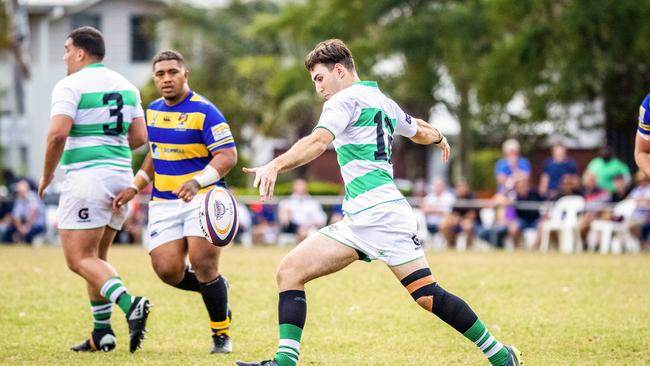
(554, 169)
(463, 219)
(621, 189)
(527, 215)
(264, 224)
(300, 214)
(27, 215)
(337, 214)
(596, 200)
(6, 206)
(437, 205)
(605, 167)
(640, 226)
(495, 232)
(511, 167)
(568, 187)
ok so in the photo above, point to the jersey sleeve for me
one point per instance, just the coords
(64, 101)
(644, 118)
(138, 112)
(216, 131)
(405, 125)
(336, 116)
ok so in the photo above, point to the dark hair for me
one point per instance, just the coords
(329, 53)
(168, 55)
(90, 40)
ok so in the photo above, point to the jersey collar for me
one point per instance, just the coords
(372, 84)
(94, 65)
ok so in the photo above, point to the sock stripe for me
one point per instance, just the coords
(290, 343)
(482, 337)
(494, 350)
(109, 284)
(487, 343)
(102, 309)
(290, 331)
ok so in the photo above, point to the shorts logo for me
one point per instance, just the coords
(153, 234)
(416, 241)
(83, 215)
(408, 119)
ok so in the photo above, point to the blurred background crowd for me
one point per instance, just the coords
(608, 208)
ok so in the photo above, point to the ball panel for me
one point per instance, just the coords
(218, 217)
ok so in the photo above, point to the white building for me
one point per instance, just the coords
(128, 51)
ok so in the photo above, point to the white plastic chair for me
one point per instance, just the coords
(563, 218)
(613, 233)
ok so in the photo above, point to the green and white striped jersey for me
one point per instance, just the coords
(102, 105)
(363, 121)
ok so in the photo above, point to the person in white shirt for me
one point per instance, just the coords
(300, 214)
(437, 205)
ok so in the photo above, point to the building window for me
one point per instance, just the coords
(84, 19)
(142, 45)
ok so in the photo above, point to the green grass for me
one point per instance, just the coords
(559, 310)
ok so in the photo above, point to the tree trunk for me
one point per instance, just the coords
(465, 144)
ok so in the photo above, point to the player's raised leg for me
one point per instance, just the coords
(204, 258)
(418, 280)
(314, 257)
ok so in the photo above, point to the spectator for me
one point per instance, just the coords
(568, 187)
(511, 167)
(641, 218)
(27, 216)
(264, 226)
(605, 167)
(527, 215)
(437, 205)
(621, 190)
(596, 199)
(6, 206)
(554, 169)
(300, 214)
(463, 219)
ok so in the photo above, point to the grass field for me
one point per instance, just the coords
(559, 310)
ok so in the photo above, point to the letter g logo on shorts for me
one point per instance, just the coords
(83, 215)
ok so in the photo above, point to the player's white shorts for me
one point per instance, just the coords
(173, 219)
(87, 197)
(387, 232)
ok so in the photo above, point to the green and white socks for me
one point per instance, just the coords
(101, 311)
(494, 350)
(115, 291)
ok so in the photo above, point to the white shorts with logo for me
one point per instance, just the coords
(387, 232)
(173, 219)
(87, 197)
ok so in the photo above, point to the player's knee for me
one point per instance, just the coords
(288, 277)
(205, 267)
(422, 287)
(169, 274)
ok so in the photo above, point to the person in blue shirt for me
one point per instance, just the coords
(511, 167)
(554, 168)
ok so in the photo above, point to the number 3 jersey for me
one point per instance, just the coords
(363, 121)
(102, 105)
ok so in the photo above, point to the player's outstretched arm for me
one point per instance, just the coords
(137, 135)
(223, 160)
(56, 137)
(302, 152)
(642, 154)
(141, 179)
(427, 135)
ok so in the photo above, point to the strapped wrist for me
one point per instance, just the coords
(207, 176)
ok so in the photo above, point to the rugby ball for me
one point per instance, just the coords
(218, 216)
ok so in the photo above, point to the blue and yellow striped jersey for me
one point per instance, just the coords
(644, 117)
(181, 139)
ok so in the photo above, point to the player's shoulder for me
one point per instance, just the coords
(156, 104)
(204, 105)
